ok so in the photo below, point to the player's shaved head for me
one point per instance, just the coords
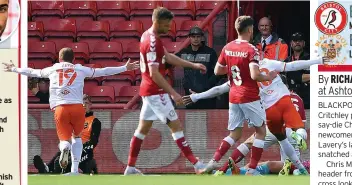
(66, 55)
(4, 6)
(265, 26)
(265, 20)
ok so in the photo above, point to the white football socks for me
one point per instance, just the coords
(290, 153)
(76, 152)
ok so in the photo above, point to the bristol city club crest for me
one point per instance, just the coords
(331, 18)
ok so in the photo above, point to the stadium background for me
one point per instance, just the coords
(106, 34)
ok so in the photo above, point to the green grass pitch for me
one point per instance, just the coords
(166, 180)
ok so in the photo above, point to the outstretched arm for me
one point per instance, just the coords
(107, 71)
(39, 73)
(303, 64)
(211, 93)
(295, 65)
(28, 72)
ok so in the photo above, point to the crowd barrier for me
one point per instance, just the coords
(204, 130)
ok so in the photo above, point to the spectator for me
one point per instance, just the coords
(194, 79)
(268, 43)
(3, 15)
(298, 81)
(40, 88)
(90, 139)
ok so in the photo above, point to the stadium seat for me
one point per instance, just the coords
(142, 11)
(131, 51)
(203, 9)
(81, 11)
(35, 31)
(106, 52)
(113, 11)
(81, 51)
(102, 94)
(142, 8)
(170, 36)
(125, 76)
(60, 31)
(173, 47)
(41, 64)
(93, 32)
(126, 93)
(116, 84)
(32, 98)
(146, 21)
(41, 52)
(126, 31)
(90, 84)
(183, 10)
(46, 10)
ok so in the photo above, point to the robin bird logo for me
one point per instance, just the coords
(331, 19)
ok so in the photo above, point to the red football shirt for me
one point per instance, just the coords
(152, 53)
(298, 103)
(237, 56)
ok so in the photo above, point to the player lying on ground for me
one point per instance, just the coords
(90, 139)
(267, 168)
(280, 110)
(66, 99)
(239, 60)
(156, 91)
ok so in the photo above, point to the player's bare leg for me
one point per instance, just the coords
(135, 146)
(178, 136)
(64, 147)
(256, 149)
(225, 145)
